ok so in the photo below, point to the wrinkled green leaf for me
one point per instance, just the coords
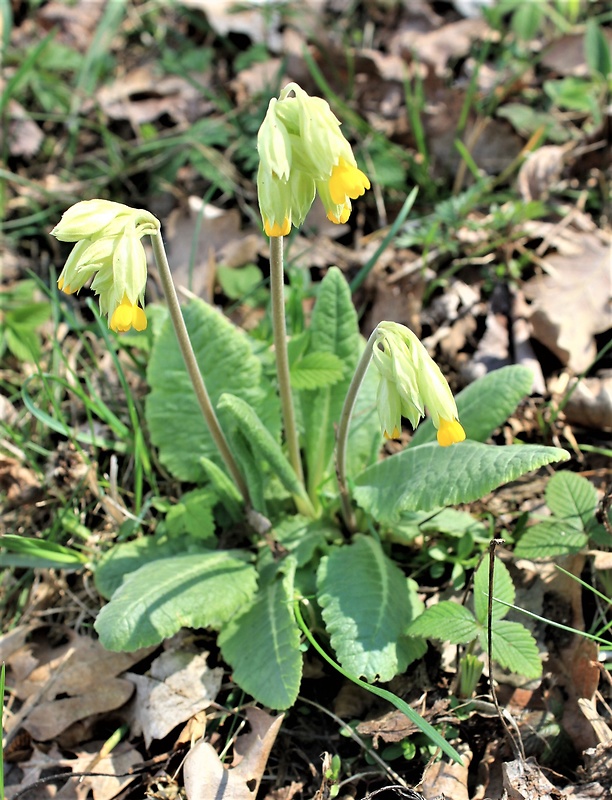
(503, 589)
(316, 370)
(550, 539)
(597, 49)
(193, 515)
(447, 622)
(194, 590)
(333, 329)
(228, 365)
(572, 499)
(262, 645)
(126, 557)
(485, 404)
(426, 477)
(514, 648)
(366, 604)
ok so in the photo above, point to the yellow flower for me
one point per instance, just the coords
(108, 248)
(410, 382)
(302, 152)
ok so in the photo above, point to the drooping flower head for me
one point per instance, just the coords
(109, 249)
(411, 381)
(302, 152)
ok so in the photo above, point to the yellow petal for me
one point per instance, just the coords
(347, 181)
(394, 435)
(450, 432)
(344, 215)
(276, 229)
(128, 315)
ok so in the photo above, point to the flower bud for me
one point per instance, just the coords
(411, 381)
(108, 248)
(302, 151)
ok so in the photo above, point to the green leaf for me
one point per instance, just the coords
(236, 283)
(194, 590)
(262, 646)
(126, 557)
(37, 553)
(367, 605)
(426, 477)
(228, 365)
(364, 437)
(23, 343)
(526, 120)
(573, 94)
(526, 19)
(333, 329)
(29, 315)
(316, 370)
(447, 622)
(572, 499)
(262, 443)
(503, 589)
(225, 489)
(485, 404)
(597, 49)
(514, 648)
(193, 515)
(445, 520)
(550, 539)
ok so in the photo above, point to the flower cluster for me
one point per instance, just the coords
(302, 152)
(109, 249)
(410, 381)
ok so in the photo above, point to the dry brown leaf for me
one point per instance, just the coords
(590, 402)
(207, 779)
(120, 761)
(47, 720)
(79, 669)
(219, 240)
(439, 46)
(24, 135)
(444, 779)
(19, 484)
(540, 171)
(572, 303)
(524, 780)
(142, 96)
(565, 55)
(179, 685)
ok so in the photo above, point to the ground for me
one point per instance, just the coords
(499, 117)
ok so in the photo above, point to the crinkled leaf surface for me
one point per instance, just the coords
(262, 645)
(549, 539)
(446, 621)
(227, 363)
(126, 557)
(426, 477)
(514, 648)
(572, 498)
(503, 589)
(333, 329)
(316, 370)
(195, 590)
(485, 404)
(367, 604)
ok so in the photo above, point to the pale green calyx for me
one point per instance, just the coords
(302, 151)
(411, 381)
(108, 248)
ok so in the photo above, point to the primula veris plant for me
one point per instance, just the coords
(108, 248)
(410, 381)
(302, 151)
(247, 469)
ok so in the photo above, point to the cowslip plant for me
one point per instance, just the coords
(297, 461)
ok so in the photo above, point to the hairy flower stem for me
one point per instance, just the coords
(277, 292)
(348, 513)
(193, 369)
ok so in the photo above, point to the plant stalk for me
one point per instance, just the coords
(193, 369)
(348, 514)
(277, 292)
